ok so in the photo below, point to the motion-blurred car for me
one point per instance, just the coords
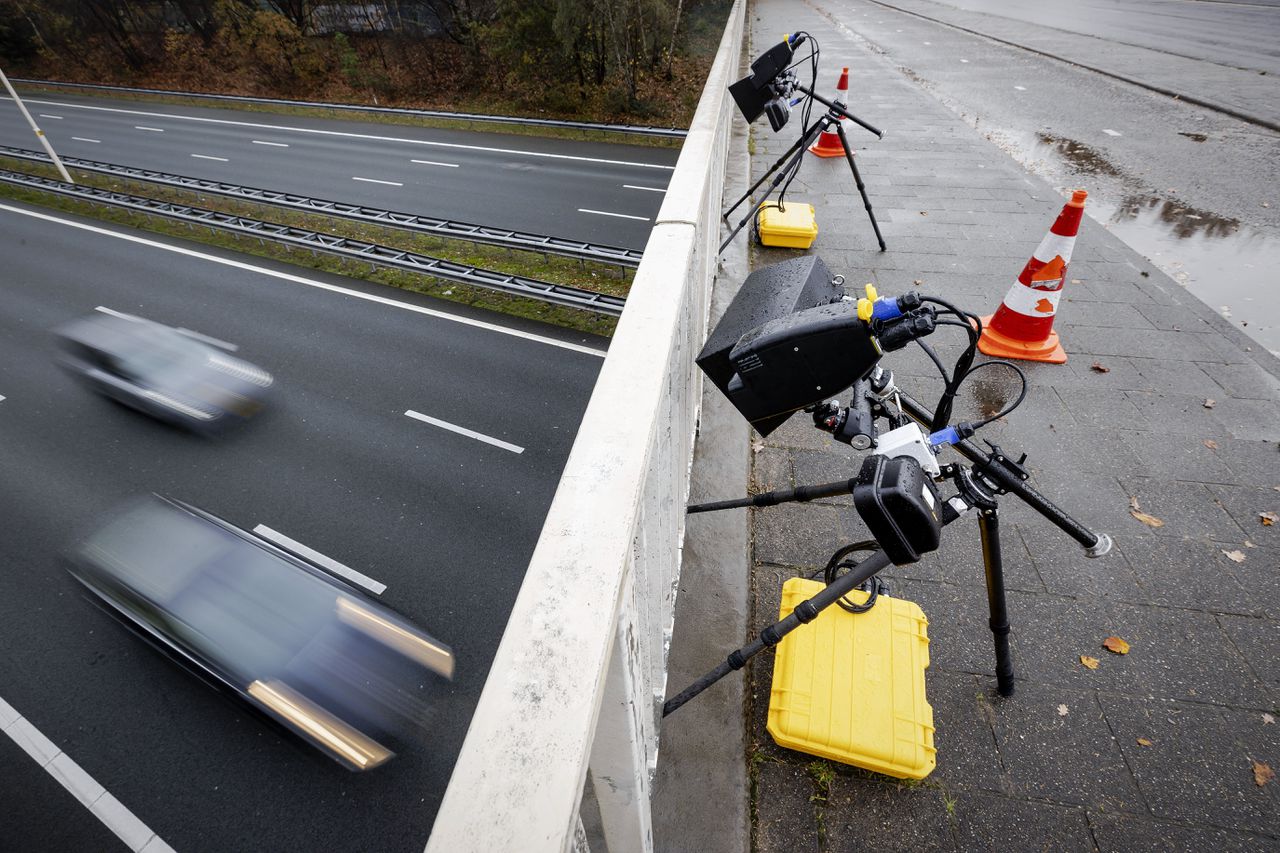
(299, 645)
(166, 373)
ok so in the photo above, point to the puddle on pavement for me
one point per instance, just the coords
(1230, 267)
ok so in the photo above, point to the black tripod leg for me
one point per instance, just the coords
(799, 149)
(802, 142)
(989, 525)
(857, 179)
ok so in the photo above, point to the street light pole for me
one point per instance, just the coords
(53, 155)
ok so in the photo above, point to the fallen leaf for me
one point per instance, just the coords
(1133, 502)
(1211, 444)
(1262, 773)
(757, 445)
(1076, 281)
(1268, 720)
(1268, 518)
(1143, 742)
(1099, 367)
(1210, 403)
(1149, 520)
(924, 213)
(918, 281)
(1062, 712)
(1248, 543)
(1234, 556)
(1116, 645)
(1091, 663)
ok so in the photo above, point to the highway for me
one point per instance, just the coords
(445, 519)
(590, 191)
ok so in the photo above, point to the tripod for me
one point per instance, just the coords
(790, 160)
(991, 474)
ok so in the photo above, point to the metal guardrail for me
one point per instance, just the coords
(436, 227)
(387, 256)
(577, 684)
(635, 129)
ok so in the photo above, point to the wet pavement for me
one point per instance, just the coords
(1164, 412)
(1195, 191)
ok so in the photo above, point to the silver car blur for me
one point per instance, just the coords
(166, 373)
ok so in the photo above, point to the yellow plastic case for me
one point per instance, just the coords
(793, 228)
(850, 687)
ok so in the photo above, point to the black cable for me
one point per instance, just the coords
(1015, 404)
(928, 350)
(946, 402)
(873, 586)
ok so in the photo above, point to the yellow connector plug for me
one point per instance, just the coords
(867, 304)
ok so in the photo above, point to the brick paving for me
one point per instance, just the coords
(1203, 677)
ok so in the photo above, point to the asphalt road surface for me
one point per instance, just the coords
(1191, 188)
(590, 191)
(446, 521)
(1240, 35)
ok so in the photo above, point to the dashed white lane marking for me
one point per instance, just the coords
(1109, 132)
(327, 563)
(210, 157)
(208, 339)
(1021, 88)
(86, 139)
(309, 282)
(478, 436)
(188, 332)
(272, 144)
(607, 213)
(1, 398)
(106, 808)
(46, 115)
(151, 129)
(646, 189)
(965, 61)
(435, 163)
(349, 135)
(376, 181)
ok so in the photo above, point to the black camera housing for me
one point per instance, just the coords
(753, 93)
(899, 504)
(798, 360)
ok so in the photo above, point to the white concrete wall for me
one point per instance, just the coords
(579, 678)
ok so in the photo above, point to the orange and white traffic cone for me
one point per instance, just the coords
(828, 144)
(1022, 326)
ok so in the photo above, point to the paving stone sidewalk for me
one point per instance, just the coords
(1157, 748)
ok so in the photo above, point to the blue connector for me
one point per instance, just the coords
(950, 435)
(886, 309)
(942, 437)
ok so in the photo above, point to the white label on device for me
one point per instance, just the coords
(928, 498)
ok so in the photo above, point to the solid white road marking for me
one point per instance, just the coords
(349, 135)
(478, 436)
(85, 139)
(646, 189)
(376, 181)
(46, 115)
(1109, 132)
(210, 157)
(272, 144)
(607, 213)
(152, 129)
(309, 282)
(114, 313)
(106, 808)
(434, 163)
(320, 559)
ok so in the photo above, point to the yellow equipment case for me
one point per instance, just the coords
(792, 228)
(850, 686)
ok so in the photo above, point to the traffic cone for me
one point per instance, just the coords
(828, 144)
(1022, 326)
